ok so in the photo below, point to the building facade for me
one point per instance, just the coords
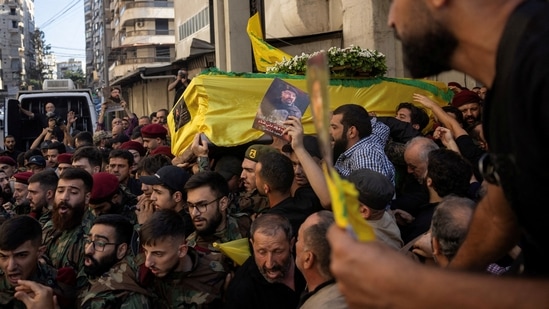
(16, 44)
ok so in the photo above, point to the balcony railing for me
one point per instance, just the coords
(146, 4)
(149, 32)
(142, 60)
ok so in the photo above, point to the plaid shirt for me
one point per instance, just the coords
(368, 153)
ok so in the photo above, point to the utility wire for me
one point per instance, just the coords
(57, 16)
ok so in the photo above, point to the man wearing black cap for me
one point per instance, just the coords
(168, 193)
(36, 164)
(375, 193)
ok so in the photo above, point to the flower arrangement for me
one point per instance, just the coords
(352, 61)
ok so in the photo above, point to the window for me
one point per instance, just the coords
(162, 27)
(162, 53)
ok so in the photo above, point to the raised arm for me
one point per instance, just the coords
(446, 120)
(310, 167)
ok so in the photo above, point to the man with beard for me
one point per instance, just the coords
(168, 193)
(251, 201)
(41, 195)
(64, 234)
(20, 204)
(9, 147)
(108, 264)
(269, 278)
(508, 54)
(207, 203)
(107, 198)
(8, 165)
(181, 277)
(20, 250)
(469, 103)
(6, 192)
(359, 141)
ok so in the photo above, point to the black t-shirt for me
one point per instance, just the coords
(516, 110)
(248, 289)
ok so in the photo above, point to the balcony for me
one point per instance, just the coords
(145, 10)
(143, 37)
(127, 66)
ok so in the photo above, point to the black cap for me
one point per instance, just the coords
(170, 176)
(375, 190)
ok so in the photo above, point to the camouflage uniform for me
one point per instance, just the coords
(251, 202)
(4, 214)
(65, 249)
(238, 227)
(115, 289)
(199, 288)
(44, 274)
(45, 217)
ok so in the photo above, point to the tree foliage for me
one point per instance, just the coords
(77, 77)
(39, 69)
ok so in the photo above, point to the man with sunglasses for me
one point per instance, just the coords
(107, 263)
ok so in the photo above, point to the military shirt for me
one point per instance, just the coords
(199, 288)
(65, 248)
(237, 228)
(44, 274)
(117, 288)
(251, 202)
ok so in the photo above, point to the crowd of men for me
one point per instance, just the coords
(113, 219)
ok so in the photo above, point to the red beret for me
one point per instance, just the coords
(165, 150)
(465, 97)
(64, 158)
(135, 146)
(154, 130)
(22, 177)
(7, 160)
(105, 185)
(455, 84)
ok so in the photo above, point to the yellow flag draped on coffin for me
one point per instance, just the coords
(223, 105)
(265, 55)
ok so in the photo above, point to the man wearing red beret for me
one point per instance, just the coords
(468, 102)
(136, 149)
(20, 204)
(154, 135)
(8, 165)
(64, 161)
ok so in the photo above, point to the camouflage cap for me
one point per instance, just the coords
(255, 151)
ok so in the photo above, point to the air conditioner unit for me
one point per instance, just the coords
(58, 84)
(140, 23)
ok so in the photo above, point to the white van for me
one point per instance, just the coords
(63, 95)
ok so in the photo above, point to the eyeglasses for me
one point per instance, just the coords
(98, 245)
(201, 206)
